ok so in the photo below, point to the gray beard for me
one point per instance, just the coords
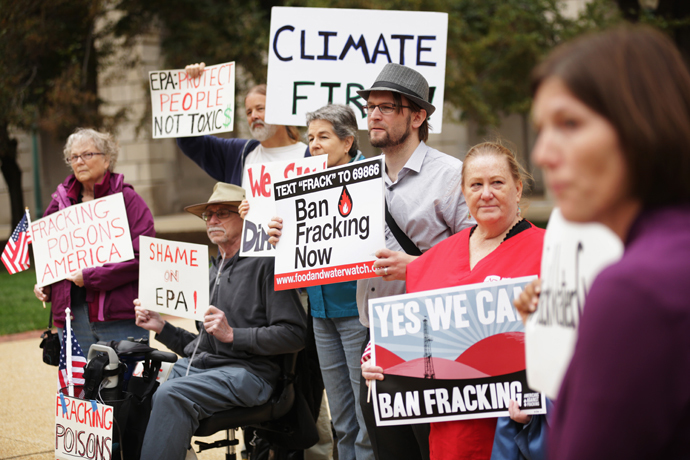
(263, 131)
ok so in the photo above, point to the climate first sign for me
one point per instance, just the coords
(173, 277)
(182, 106)
(262, 206)
(450, 354)
(84, 235)
(332, 225)
(83, 429)
(319, 56)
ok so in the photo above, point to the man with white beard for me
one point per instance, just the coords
(226, 159)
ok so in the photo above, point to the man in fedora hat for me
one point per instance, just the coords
(424, 205)
(247, 325)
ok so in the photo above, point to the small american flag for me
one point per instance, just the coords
(366, 355)
(16, 253)
(78, 364)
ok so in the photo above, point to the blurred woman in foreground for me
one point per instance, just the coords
(100, 298)
(613, 115)
(501, 245)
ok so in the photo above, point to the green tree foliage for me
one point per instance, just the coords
(203, 30)
(49, 78)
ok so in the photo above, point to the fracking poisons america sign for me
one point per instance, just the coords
(450, 354)
(84, 235)
(332, 225)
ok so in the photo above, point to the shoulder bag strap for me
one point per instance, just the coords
(406, 243)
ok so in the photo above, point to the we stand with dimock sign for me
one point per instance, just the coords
(332, 225)
(573, 256)
(83, 429)
(182, 106)
(83, 235)
(450, 354)
(318, 56)
(173, 277)
(262, 206)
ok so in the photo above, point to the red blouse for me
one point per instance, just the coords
(446, 265)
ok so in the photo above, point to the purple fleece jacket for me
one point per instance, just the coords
(626, 394)
(110, 289)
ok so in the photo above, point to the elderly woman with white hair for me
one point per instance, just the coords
(100, 298)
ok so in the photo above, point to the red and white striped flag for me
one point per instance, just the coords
(77, 361)
(16, 253)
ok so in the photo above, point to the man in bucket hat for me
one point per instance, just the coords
(424, 206)
(247, 325)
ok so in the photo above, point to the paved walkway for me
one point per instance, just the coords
(27, 404)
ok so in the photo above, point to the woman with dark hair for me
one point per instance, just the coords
(100, 298)
(613, 115)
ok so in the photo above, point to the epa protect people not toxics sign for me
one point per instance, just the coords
(332, 225)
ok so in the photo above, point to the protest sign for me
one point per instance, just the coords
(450, 354)
(318, 56)
(83, 429)
(573, 256)
(332, 225)
(173, 277)
(81, 236)
(262, 206)
(182, 106)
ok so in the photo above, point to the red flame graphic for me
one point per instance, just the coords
(195, 302)
(345, 205)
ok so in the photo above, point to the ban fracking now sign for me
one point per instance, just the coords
(450, 354)
(332, 225)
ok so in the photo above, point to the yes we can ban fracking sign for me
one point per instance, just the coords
(173, 277)
(84, 235)
(262, 206)
(182, 106)
(332, 225)
(450, 354)
(318, 56)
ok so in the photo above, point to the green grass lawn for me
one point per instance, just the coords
(20, 311)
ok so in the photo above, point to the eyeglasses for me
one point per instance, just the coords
(386, 108)
(222, 214)
(84, 156)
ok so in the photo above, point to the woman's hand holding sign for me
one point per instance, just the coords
(527, 301)
(392, 265)
(275, 226)
(371, 372)
(77, 278)
(42, 293)
(216, 324)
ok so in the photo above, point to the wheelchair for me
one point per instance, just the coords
(125, 375)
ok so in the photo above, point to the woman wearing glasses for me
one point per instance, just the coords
(100, 298)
